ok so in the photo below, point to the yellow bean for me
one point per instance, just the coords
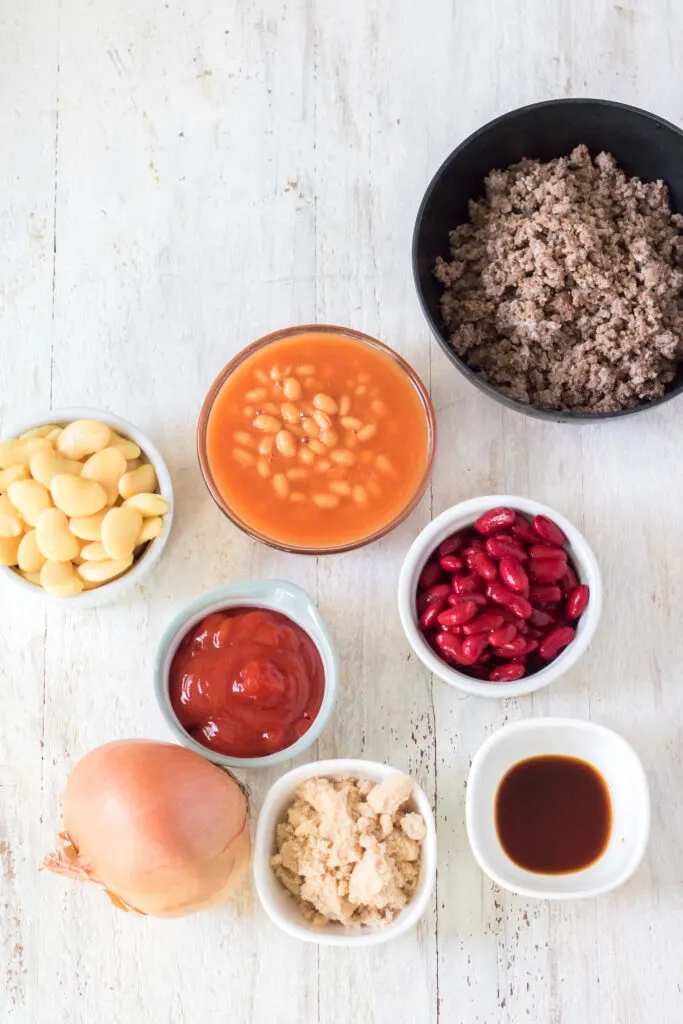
(326, 500)
(360, 495)
(263, 468)
(107, 467)
(329, 437)
(266, 445)
(290, 413)
(120, 530)
(29, 556)
(11, 475)
(147, 505)
(281, 485)
(102, 572)
(10, 520)
(53, 537)
(18, 453)
(93, 552)
(269, 424)
(129, 449)
(46, 465)
(141, 481)
(367, 432)
(343, 457)
(9, 550)
(29, 499)
(38, 432)
(292, 389)
(150, 529)
(83, 437)
(351, 423)
(60, 580)
(325, 403)
(243, 457)
(88, 527)
(77, 497)
(341, 487)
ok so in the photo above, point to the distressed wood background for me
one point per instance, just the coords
(177, 179)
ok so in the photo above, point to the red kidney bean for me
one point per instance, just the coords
(512, 574)
(450, 645)
(451, 544)
(480, 600)
(515, 648)
(430, 575)
(555, 641)
(485, 566)
(577, 602)
(517, 604)
(484, 623)
(458, 614)
(507, 673)
(472, 584)
(545, 594)
(523, 531)
(428, 620)
(542, 551)
(569, 581)
(473, 647)
(548, 531)
(502, 545)
(493, 520)
(546, 570)
(534, 634)
(436, 593)
(451, 563)
(502, 636)
(541, 619)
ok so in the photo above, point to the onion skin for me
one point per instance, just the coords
(163, 830)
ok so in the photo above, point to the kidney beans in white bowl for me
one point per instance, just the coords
(499, 596)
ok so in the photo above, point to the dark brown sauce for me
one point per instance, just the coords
(553, 814)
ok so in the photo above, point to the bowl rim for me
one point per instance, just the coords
(263, 843)
(575, 725)
(272, 338)
(258, 593)
(437, 329)
(112, 590)
(457, 517)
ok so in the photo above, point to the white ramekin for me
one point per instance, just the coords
(277, 902)
(621, 769)
(457, 518)
(143, 565)
(276, 595)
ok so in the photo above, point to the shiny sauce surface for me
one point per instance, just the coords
(553, 814)
(246, 682)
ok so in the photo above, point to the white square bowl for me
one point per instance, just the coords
(621, 769)
(280, 905)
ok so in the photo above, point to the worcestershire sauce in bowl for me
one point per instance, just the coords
(553, 814)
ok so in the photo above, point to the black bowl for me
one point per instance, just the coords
(642, 144)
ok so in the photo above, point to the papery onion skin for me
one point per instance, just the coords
(157, 825)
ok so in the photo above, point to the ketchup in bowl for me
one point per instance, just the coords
(246, 682)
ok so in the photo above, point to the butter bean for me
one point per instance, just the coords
(29, 498)
(9, 550)
(150, 529)
(60, 580)
(93, 552)
(11, 475)
(18, 453)
(83, 437)
(106, 467)
(29, 556)
(129, 449)
(292, 389)
(10, 520)
(268, 424)
(77, 497)
(147, 505)
(53, 435)
(325, 403)
(31, 577)
(285, 444)
(102, 572)
(140, 481)
(53, 537)
(48, 464)
(120, 530)
(88, 527)
(38, 432)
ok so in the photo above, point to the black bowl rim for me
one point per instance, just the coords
(535, 411)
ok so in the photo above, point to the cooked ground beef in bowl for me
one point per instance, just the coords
(565, 289)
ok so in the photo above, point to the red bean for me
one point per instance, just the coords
(523, 531)
(472, 584)
(429, 617)
(485, 566)
(454, 543)
(541, 551)
(555, 641)
(542, 620)
(458, 614)
(473, 647)
(480, 600)
(545, 594)
(430, 575)
(493, 520)
(569, 581)
(577, 602)
(515, 648)
(451, 563)
(548, 531)
(503, 545)
(450, 645)
(547, 570)
(515, 602)
(507, 673)
(505, 635)
(512, 574)
(484, 623)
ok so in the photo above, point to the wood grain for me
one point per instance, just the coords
(176, 180)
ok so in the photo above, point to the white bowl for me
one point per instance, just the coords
(144, 564)
(621, 769)
(277, 902)
(279, 596)
(457, 518)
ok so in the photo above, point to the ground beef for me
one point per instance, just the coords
(565, 289)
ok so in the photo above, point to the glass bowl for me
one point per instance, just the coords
(270, 339)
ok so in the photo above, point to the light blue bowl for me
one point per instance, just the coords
(279, 596)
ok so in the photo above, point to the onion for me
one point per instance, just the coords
(160, 828)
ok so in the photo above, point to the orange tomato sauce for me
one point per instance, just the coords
(317, 440)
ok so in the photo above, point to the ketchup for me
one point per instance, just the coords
(246, 682)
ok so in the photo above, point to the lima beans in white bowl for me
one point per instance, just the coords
(86, 505)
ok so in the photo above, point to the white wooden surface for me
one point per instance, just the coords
(177, 179)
